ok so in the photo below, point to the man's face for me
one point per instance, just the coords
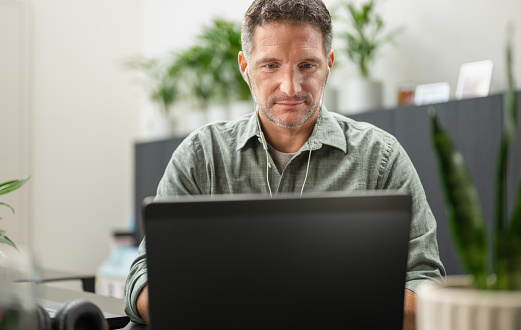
(287, 70)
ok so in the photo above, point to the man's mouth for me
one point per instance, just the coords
(290, 104)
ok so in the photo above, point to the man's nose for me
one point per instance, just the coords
(291, 82)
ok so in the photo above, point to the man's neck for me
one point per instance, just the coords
(287, 139)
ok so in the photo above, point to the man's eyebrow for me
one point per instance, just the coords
(263, 60)
(266, 60)
(312, 59)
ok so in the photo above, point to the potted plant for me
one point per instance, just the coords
(209, 69)
(206, 73)
(5, 188)
(362, 41)
(224, 37)
(491, 297)
(161, 88)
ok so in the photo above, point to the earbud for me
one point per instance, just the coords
(248, 76)
(328, 73)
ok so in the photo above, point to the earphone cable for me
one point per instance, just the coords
(307, 170)
(268, 173)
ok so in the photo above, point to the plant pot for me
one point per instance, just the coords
(456, 305)
(361, 95)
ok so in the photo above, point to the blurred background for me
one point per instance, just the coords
(71, 108)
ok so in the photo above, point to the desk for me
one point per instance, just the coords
(107, 304)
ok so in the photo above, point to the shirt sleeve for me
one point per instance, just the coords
(423, 262)
(136, 281)
(184, 174)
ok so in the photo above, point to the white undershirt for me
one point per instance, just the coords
(281, 159)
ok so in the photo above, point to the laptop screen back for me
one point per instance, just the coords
(251, 262)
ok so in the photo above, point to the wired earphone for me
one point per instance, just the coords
(263, 139)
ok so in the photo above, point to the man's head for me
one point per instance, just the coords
(293, 12)
(286, 58)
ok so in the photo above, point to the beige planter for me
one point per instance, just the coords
(455, 305)
(361, 95)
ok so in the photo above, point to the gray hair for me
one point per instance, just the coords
(296, 12)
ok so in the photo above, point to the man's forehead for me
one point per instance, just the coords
(272, 36)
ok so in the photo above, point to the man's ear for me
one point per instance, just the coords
(331, 59)
(243, 65)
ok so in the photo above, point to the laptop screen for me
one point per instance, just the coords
(253, 262)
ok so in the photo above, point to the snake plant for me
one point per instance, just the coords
(5, 188)
(466, 221)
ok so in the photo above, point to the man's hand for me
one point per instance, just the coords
(409, 311)
(142, 304)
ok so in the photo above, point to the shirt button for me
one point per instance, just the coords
(269, 164)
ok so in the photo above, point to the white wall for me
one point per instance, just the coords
(84, 123)
(14, 120)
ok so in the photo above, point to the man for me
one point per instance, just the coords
(291, 143)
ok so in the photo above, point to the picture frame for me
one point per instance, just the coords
(432, 93)
(474, 79)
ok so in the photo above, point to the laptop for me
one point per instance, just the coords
(252, 262)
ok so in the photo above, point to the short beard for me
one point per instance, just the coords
(309, 112)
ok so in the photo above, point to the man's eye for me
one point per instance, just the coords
(270, 66)
(307, 66)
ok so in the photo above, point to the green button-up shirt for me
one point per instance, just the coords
(229, 158)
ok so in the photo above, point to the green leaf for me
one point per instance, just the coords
(502, 249)
(466, 220)
(9, 206)
(5, 188)
(514, 239)
(12, 185)
(508, 236)
(6, 240)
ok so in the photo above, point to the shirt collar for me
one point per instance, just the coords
(327, 131)
(251, 130)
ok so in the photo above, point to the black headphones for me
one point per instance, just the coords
(74, 315)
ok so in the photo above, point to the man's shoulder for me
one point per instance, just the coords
(358, 129)
(221, 131)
